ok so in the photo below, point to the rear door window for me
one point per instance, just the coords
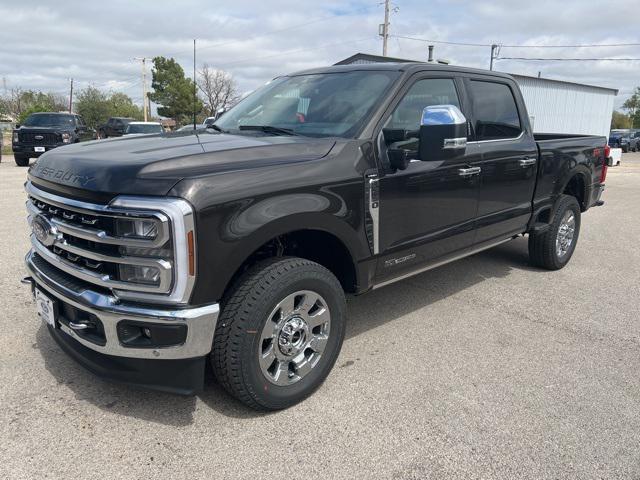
(495, 111)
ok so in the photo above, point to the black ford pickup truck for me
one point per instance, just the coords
(41, 132)
(154, 255)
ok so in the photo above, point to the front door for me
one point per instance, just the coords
(427, 211)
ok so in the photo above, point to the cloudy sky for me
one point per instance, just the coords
(43, 43)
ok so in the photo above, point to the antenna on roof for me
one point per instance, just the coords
(194, 84)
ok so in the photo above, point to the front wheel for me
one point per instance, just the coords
(553, 248)
(21, 161)
(280, 333)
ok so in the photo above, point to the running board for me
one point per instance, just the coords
(440, 263)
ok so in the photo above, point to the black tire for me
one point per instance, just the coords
(245, 312)
(21, 161)
(542, 246)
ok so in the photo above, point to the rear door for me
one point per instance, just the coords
(428, 210)
(509, 157)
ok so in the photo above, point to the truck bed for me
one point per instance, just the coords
(560, 155)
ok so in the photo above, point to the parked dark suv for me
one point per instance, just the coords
(623, 139)
(41, 132)
(115, 127)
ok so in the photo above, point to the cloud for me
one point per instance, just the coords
(96, 42)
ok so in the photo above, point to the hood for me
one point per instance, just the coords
(55, 129)
(152, 164)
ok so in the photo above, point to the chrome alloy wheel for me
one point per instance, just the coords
(567, 230)
(294, 337)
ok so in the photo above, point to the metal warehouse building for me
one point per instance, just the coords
(564, 107)
(554, 106)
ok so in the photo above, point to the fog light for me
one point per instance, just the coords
(140, 274)
(137, 334)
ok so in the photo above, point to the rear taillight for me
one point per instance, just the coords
(605, 163)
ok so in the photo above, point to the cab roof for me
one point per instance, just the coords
(406, 66)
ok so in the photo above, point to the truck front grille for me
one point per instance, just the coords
(130, 251)
(30, 138)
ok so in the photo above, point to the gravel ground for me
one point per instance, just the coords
(485, 368)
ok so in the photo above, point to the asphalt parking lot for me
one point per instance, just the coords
(485, 368)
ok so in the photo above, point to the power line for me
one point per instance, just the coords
(576, 46)
(287, 52)
(463, 44)
(572, 59)
(269, 32)
(470, 44)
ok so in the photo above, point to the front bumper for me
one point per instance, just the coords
(21, 149)
(113, 359)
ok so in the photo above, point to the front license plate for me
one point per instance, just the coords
(38, 149)
(45, 308)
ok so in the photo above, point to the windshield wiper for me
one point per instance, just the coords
(268, 129)
(215, 127)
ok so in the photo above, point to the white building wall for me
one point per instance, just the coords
(558, 107)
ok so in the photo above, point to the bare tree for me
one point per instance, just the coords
(218, 88)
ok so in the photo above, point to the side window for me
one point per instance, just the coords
(423, 93)
(495, 111)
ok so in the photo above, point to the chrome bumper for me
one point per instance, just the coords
(200, 321)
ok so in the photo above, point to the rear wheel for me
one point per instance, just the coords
(21, 160)
(553, 248)
(280, 333)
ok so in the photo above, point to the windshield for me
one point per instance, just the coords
(49, 120)
(326, 104)
(139, 128)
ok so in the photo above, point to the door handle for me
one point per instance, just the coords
(526, 161)
(467, 172)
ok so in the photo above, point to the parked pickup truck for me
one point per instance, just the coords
(114, 127)
(41, 132)
(236, 245)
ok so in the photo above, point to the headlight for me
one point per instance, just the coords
(137, 228)
(15, 137)
(66, 138)
(139, 274)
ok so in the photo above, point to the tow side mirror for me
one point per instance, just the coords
(443, 133)
(219, 113)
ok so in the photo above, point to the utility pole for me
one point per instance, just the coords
(385, 28)
(493, 55)
(143, 64)
(71, 97)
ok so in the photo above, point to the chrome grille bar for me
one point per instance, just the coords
(83, 243)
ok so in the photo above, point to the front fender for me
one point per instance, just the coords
(230, 233)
